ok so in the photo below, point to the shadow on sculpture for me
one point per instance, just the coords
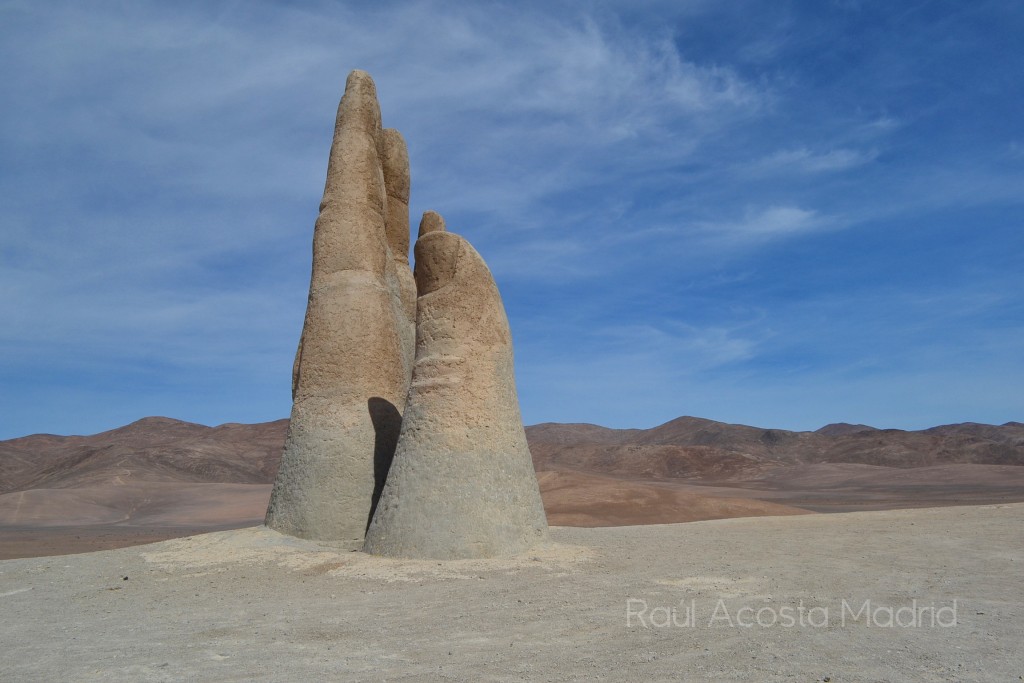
(387, 423)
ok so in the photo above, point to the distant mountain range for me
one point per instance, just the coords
(158, 449)
(161, 472)
(695, 448)
(168, 450)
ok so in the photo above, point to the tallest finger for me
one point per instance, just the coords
(395, 163)
(351, 374)
(350, 231)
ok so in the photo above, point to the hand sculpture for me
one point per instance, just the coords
(462, 483)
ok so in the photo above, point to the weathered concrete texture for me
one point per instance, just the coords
(432, 221)
(462, 483)
(353, 366)
(403, 295)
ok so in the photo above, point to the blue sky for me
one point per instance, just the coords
(774, 213)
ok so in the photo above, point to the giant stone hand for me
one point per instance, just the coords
(462, 484)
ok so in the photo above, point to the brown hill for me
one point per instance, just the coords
(160, 449)
(163, 476)
(842, 429)
(152, 449)
(696, 448)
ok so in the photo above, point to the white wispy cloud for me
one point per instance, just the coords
(765, 224)
(803, 160)
(693, 348)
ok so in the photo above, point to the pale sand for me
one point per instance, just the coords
(254, 605)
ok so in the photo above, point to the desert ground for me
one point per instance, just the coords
(595, 604)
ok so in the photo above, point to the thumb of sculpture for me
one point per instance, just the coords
(462, 483)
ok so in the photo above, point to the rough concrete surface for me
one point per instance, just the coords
(462, 483)
(353, 365)
(253, 604)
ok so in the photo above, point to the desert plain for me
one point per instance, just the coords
(905, 595)
(692, 551)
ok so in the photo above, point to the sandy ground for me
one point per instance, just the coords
(137, 503)
(595, 605)
(581, 499)
(128, 511)
(41, 541)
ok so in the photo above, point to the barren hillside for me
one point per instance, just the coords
(167, 477)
